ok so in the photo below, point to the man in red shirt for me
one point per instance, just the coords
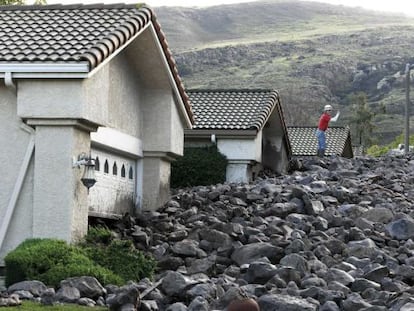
(323, 126)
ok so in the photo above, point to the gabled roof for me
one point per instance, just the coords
(232, 109)
(75, 34)
(304, 142)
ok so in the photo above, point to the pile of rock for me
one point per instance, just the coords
(336, 235)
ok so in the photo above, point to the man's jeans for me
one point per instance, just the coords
(321, 139)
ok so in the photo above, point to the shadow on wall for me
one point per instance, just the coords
(272, 155)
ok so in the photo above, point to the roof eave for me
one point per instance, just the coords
(174, 80)
(222, 133)
(45, 70)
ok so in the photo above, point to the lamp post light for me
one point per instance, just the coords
(88, 178)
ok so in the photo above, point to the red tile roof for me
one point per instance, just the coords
(76, 33)
(304, 142)
(238, 109)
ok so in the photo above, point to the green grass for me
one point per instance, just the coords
(34, 306)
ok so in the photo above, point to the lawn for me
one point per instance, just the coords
(33, 306)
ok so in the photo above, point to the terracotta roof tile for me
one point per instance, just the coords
(232, 109)
(304, 142)
(75, 33)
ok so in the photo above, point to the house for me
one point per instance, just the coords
(304, 142)
(83, 84)
(247, 126)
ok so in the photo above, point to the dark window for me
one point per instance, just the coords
(106, 167)
(115, 169)
(131, 173)
(123, 171)
(97, 164)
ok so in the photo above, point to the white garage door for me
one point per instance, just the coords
(114, 193)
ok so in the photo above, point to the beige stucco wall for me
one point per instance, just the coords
(241, 149)
(164, 128)
(131, 93)
(275, 154)
(157, 186)
(59, 198)
(111, 97)
(14, 140)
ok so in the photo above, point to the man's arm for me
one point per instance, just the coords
(335, 118)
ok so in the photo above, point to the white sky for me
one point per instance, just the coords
(402, 6)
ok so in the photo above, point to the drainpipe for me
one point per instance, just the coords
(22, 172)
(8, 81)
(213, 139)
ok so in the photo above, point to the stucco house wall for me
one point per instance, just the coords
(123, 101)
(15, 139)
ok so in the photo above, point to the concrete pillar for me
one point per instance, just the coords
(156, 180)
(59, 198)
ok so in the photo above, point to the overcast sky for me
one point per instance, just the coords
(403, 6)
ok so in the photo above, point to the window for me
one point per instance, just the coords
(123, 171)
(131, 173)
(97, 164)
(106, 167)
(115, 169)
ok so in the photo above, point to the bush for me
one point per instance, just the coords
(98, 235)
(119, 256)
(50, 261)
(377, 151)
(63, 271)
(199, 166)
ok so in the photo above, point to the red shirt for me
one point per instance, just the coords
(324, 121)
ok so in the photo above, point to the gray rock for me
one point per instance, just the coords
(401, 229)
(88, 286)
(260, 272)
(175, 284)
(178, 306)
(284, 303)
(68, 294)
(250, 252)
(125, 298)
(36, 288)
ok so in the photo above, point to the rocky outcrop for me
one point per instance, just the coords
(338, 234)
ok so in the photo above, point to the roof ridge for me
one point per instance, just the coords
(233, 90)
(315, 126)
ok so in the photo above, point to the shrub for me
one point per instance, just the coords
(119, 256)
(50, 261)
(199, 166)
(98, 235)
(377, 151)
(63, 271)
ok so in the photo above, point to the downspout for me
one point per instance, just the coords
(22, 172)
(8, 81)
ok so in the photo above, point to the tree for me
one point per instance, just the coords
(9, 2)
(362, 119)
(21, 2)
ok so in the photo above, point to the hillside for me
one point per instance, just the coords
(312, 53)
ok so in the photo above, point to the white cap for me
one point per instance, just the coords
(327, 107)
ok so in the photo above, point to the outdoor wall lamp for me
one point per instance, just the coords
(88, 178)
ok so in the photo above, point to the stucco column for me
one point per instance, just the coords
(156, 180)
(59, 198)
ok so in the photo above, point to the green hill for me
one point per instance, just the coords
(312, 53)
